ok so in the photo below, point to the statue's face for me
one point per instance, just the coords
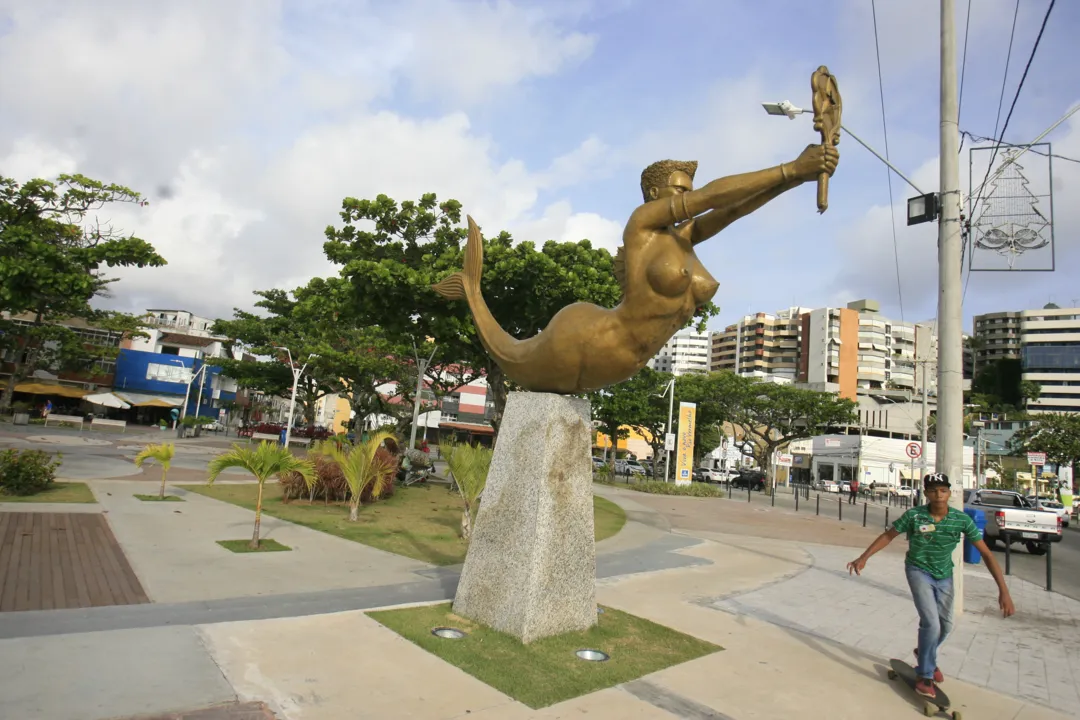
(678, 183)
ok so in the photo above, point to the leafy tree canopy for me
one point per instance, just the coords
(1056, 434)
(392, 254)
(52, 261)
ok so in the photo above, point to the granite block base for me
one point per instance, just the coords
(531, 566)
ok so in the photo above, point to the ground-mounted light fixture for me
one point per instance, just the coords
(922, 208)
(592, 655)
(448, 633)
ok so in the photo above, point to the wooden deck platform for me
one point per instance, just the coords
(50, 561)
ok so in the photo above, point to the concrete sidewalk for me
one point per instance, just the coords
(172, 548)
(781, 610)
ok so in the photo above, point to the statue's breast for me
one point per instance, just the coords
(669, 269)
(702, 285)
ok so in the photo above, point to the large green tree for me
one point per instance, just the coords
(771, 416)
(313, 320)
(392, 254)
(53, 258)
(624, 405)
(718, 397)
(1056, 434)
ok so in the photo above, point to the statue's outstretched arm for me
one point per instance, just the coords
(712, 222)
(731, 193)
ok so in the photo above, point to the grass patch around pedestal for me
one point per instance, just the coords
(608, 518)
(158, 498)
(244, 546)
(547, 671)
(57, 492)
(418, 522)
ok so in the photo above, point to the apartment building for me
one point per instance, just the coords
(996, 337)
(178, 332)
(764, 345)
(1045, 341)
(687, 351)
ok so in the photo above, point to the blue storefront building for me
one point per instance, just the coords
(166, 376)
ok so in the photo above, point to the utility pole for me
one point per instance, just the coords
(950, 413)
(925, 414)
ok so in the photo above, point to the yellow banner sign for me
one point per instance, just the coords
(684, 446)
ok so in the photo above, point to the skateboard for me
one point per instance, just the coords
(931, 707)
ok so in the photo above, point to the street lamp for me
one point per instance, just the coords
(785, 108)
(296, 381)
(669, 443)
(187, 393)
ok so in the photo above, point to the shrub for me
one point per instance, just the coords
(330, 485)
(27, 472)
(694, 489)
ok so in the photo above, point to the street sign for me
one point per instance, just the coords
(669, 442)
(913, 450)
(783, 460)
(1036, 458)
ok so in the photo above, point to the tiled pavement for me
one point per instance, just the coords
(1034, 655)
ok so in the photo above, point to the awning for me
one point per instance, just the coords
(470, 427)
(34, 388)
(107, 400)
(142, 400)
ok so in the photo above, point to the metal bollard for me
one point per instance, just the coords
(840, 509)
(797, 494)
(1049, 570)
(748, 491)
(729, 488)
(1008, 552)
(886, 516)
(864, 514)
(817, 509)
(773, 501)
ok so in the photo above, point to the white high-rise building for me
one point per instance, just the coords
(687, 351)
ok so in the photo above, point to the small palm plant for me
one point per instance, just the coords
(264, 461)
(163, 453)
(363, 466)
(469, 465)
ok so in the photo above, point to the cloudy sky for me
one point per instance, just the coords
(246, 123)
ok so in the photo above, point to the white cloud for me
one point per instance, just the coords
(247, 123)
(464, 51)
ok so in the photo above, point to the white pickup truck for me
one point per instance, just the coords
(1010, 513)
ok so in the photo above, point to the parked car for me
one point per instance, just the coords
(709, 474)
(754, 479)
(598, 463)
(629, 467)
(1009, 512)
(829, 486)
(699, 475)
(902, 491)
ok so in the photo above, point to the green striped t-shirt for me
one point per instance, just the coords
(931, 542)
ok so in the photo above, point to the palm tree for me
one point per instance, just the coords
(163, 453)
(469, 465)
(264, 461)
(363, 465)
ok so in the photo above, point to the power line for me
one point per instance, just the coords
(980, 139)
(1012, 107)
(1005, 127)
(963, 71)
(888, 172)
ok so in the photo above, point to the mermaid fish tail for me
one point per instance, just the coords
(465, 285)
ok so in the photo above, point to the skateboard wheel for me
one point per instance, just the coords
(929, 709)
(892, 674)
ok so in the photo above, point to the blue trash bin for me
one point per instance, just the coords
(971, 553)
(281, 438)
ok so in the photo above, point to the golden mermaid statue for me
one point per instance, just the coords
(587, 347)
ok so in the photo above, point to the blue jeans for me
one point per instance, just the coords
(934, 602)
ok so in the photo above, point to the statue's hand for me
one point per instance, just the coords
(814, 160)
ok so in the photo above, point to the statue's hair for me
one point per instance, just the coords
(657, 174)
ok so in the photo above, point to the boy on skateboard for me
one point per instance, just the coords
(933, 531)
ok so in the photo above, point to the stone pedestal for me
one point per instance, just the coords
(531, 566)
